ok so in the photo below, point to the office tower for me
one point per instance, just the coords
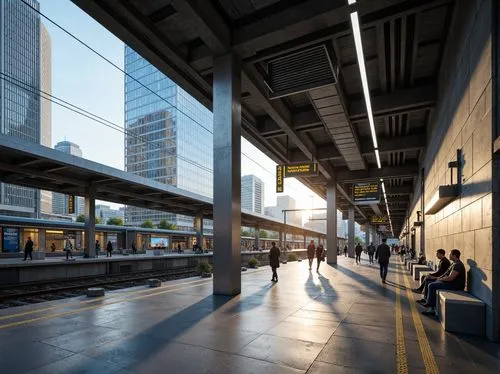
(19, 92)
(252, 194)
(60, 202)
(105, 212)
(45, 106)
(168, 138)
(285, 203)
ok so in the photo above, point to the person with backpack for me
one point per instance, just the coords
(371, 252)
(68, 247)
(311, 251)
(320, 255)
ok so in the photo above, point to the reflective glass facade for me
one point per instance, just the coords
(169, 137)
(19, 108)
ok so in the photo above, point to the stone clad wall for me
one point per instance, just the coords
(463, 120)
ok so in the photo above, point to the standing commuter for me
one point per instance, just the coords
(383, 254)
(274, 260)
(345, 250)
(371, 252)
(358, 250)
(53, 247)
(109, 249)
(28, 249)
(320, 255)
(97, 248)
(134, 249)
(67, 248)
(311, 251)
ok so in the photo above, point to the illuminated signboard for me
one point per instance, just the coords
(71, 204)
(279, 178)
(301, 170)
(366, 193)
(309, 169)
(379, 219)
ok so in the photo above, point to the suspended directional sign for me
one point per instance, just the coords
(279, 179)
(379, 219)
(366, 193)
(309, 169)
(301, 170)
(71, 204)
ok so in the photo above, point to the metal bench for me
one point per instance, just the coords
(461, 312)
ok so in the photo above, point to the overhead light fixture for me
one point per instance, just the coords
(364, 79)
(377, 156)
(350, 2)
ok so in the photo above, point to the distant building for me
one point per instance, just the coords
(60, 202)
(168, 138)
(317, 222)
(285, 203)
(45, 106)
(20, 105)
(252, 194)
(105, 212)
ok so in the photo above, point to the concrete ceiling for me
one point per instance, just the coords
(322, 119)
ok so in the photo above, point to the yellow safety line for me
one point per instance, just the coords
(401, 358)
(425, 348)
(71, 312)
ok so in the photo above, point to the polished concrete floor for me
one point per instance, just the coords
(341, 320)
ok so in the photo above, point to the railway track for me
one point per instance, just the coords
(14, 296)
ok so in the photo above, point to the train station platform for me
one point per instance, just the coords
(340, 320)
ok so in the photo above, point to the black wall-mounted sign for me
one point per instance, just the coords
(366, 193)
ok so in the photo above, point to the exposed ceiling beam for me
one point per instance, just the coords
(399, 101)
(396, 144)
(375, 174)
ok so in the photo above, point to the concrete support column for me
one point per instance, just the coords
(281, 240)
(331, 222)
(89, 226)
(198, 227)
(350, 232)
(227, 175)
(305, 241)
(257, 236)
(367, 236)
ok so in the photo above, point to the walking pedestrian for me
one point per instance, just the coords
(67, 247)
(134, 249)
(53, 247)
(97, 248)
(345, 250)
(320, 255)
(109, 249)
(311, 251)
(358, 249)
(274, 260)
(28, 249)
(382, 254)
(371, 252)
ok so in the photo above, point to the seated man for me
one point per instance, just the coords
(444, 264)
(453, 279)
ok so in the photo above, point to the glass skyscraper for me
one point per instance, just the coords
(168, 137)
(19, 108)
(252, 194)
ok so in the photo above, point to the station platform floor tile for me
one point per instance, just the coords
(339, 320)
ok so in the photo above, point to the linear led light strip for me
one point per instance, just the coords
(387, 205)
(364, 79)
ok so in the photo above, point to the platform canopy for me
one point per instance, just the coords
(302, 92)
(32, 165)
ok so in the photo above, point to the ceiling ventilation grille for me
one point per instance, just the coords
(300, 71)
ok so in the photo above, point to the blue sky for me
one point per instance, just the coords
(84, 79)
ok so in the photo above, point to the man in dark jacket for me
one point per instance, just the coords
(443, 266)
(311, 251)
(371, 252)
(358, 249)
(28, 249)
(382, 255)
(274, 260)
